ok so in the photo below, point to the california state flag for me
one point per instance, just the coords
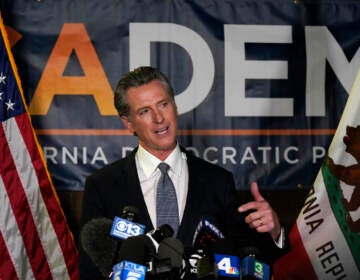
(325, 241)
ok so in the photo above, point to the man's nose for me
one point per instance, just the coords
(158, 116)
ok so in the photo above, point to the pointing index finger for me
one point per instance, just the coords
(248, 206)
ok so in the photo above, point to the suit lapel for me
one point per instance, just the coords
(192, 211)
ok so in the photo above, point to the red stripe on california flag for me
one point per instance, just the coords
(49, 196)
(21, 209)
(296, 264)
(6, 262)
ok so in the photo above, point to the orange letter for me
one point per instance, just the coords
(94, 82)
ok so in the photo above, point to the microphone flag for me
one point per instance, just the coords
(254, 269)
(126, 270)
(123, 228)
(227, 265)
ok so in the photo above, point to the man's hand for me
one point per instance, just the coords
(263, 218)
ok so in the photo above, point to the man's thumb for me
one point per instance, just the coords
(255, 192)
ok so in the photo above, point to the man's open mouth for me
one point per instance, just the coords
(162, 130)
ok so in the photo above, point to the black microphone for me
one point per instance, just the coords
(142, 249)
(138, 249)
(189, 269)
(171, 249)
(220, 262)
(101, 241)
(251, 268)
(205, 267)
(206, 234)
(99, 245)
(159, 234)
(133, 256)
(147, 245)
(201, 262)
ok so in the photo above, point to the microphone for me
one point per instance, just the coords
(189, 267)
(159, 234)
(99, 245)
(101, 240)
(128, 271)
(125, 226)
(205, 267)
(171, 249)
(206, 234)
(138, 249)
(227, 263)
(226, 266)
(251, 268)
(219, 262)
(133, 255)
(142, 249)
(200, 262)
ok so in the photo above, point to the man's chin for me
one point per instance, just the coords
(161, 146)
(167, 145)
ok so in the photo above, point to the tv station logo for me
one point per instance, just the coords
(252, 268)
(123, 228)
(227, 265)
(128, 271)
(259, 269)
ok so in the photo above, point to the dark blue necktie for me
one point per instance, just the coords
(166, 202)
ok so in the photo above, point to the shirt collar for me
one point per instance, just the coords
(149, 163)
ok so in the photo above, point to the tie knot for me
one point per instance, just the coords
(164, 167)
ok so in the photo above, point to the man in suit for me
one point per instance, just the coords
(145, 101)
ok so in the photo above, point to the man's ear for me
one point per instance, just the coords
(128, 124)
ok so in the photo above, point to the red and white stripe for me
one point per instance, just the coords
(35, 239)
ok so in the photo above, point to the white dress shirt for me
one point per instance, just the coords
(149, 175)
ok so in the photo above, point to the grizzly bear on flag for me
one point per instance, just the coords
(350, 175)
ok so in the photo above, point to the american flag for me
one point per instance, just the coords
(35, 240)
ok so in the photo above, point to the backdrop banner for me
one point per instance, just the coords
(260, 84)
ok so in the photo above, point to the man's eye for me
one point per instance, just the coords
(164, 104)
(143, 112)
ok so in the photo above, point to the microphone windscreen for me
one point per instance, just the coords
(205, 267)
(138, 249)
(99, 245)
(167, 230)
(173, 249)
(162, 232)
